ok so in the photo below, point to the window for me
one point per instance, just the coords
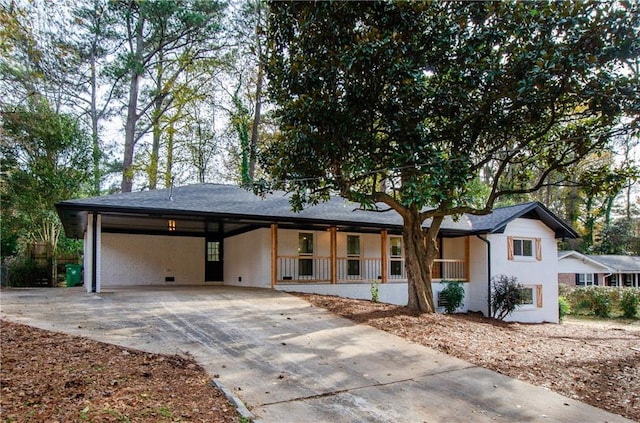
(531, 297)
(305, 243)
(584, 279)
(213, 251)
(526, 296)
(305, 248)
(396, 264)
(396, 246)
(353, 255)
(524, 248)
(305, 267)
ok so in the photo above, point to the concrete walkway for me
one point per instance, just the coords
(291, 362)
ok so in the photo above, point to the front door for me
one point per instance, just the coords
(214, 259)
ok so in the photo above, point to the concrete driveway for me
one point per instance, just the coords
(291, 362)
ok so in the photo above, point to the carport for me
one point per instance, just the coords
(194, 221)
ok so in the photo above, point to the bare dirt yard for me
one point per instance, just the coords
(592, 362)
(53, 377)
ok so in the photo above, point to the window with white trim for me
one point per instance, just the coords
(353, 255)
(395, 255)
(305, 248)
(526, 296)
(530, 297)
(584, 279)
(524, 248)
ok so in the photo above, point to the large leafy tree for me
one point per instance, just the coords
(44, 159)
(404, 105)
(163, 39)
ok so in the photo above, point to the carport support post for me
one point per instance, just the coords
(334, 251)
(383, 256)
(274, 254)
(92, 252)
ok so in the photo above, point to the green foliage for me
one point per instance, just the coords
(598, 301)
(26, 272)
(45, 157)
(453, 294)
(375, 291)
(601, 304)
(411, 103)
(506, 295)
(564, 308)
(620, 237)
(432, 92)
(629, 302)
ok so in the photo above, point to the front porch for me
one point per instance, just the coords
(355, 258)
(318, 269)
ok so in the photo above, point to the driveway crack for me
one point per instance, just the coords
(357, 388)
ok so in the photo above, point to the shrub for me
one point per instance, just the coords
(599, 302)
(375, 291)
(563, 308)
(506, 295)
(25, 272)
(453, 295)
(629, 302)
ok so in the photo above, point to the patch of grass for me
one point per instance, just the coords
(118, 416)
(165, 412)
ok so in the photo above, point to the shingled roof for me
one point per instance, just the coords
(230, 209)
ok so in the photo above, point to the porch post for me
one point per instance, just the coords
(92, 253)
(98, 252)
(274, 254)
(334, 253)
(383, 256)
(466, 259)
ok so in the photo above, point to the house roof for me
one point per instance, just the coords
(230, 209)
(611, 263)
(583, 258)
(497, 221)
(628, 264)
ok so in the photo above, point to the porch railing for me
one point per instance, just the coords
(350, 269)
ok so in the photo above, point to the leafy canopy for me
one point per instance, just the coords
(45, 159)
(410, 103)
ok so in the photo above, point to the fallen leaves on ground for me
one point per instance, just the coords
(53, 377)
(596, 364)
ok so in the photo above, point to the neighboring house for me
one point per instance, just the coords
(208, 233)
(576, 269)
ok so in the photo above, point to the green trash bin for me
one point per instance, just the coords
(73, 274)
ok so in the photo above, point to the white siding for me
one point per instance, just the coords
(529, 271)
(391, 293)
(148, 259)
(247, 259)
(478, 276)
(453, 248)
(577, 265)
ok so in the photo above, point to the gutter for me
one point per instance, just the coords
(486, 241)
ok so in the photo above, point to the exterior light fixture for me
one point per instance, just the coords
(172, 225)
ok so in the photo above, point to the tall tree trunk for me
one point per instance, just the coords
(253, 146)
(132, 112)
(419, 260)
(95, 140)
(168, 174)
(152, 170)
(589, 223)
(130, 133)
